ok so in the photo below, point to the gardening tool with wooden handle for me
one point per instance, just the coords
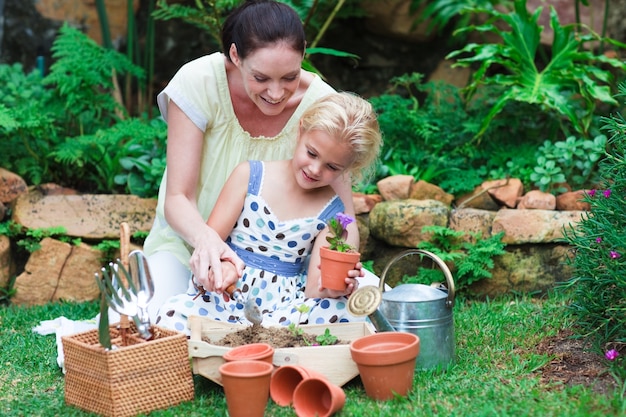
(131, 301)
(250, 309)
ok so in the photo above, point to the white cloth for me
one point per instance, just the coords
(62, 326)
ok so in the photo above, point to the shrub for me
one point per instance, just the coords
(598, 284)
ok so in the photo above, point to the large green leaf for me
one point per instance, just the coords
(571, 80)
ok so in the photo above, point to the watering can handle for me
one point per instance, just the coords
(441, 264)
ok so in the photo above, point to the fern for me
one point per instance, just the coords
(84, 78)
(472, 260)
(478, 261)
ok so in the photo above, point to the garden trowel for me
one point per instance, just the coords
(250, 309)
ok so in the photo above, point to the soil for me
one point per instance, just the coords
(277, 337)
(574, 363)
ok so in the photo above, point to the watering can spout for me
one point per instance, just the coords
(365, 302)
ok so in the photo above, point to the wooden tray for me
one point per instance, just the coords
(334, 362)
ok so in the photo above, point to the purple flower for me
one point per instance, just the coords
(614, 255)
(592, 193)
(344, 219)
(611, 354)
(598, 240)
(607, 193)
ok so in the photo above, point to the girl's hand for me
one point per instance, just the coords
(351, 282)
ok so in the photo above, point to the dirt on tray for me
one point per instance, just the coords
(277, 337)
(575, 364)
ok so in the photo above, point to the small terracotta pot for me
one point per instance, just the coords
(318, 397)
(334, 267)
(285, 379)
(253, 352)
(246, 386)
(386, 363)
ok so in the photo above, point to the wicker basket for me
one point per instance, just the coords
(137, 378)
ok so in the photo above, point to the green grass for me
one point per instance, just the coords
(496, 372)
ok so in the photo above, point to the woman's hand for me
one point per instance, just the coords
(214, 264)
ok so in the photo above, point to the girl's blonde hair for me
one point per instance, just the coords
(350, 119)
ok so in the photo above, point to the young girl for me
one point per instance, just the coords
(274, 214)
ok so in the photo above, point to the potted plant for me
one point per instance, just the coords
(339, 257)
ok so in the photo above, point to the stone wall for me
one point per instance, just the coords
(389, 223)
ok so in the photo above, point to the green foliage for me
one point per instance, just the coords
(598, 284)
(83, 77)
(472, 259)
(206, 15)
(441, 14)
(69, 128)
(317, 16)
(572, 161)
(326, 338)
(569, 84)
(29, 239)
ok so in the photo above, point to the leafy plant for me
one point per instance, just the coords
(326, 338)
(30, 239)
(441, 14)
(68, 127)
(472, 259)
(598, 286)
(317, 16)
(569, 84)
(572, 161)
(338, 233)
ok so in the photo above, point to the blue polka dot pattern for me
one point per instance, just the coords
(259, 231)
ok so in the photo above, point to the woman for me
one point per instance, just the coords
(223, 109)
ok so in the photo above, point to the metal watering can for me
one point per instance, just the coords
(414, 308)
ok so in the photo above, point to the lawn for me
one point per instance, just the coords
(498, 371)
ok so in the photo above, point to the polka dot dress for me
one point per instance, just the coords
(275, 254)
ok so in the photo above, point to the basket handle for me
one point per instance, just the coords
(441, 264)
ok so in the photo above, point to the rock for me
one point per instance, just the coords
(505, 191)
(536, 199)
(38, 283)
(84, 14)
(90, 216)
(444, 72)
(55, 189)
(400, 222)
(58, 271)
(11, 186)
(7, 266)
(479, 198)
(533, 226)
(363, 203)
(396, 187)
(572, 200)
(472, 221)
(422, 190)
(525, 268)
(394, 18)
(77, 282)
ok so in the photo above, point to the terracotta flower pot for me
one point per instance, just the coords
(253, 352)
(318, 397)
(386, 363)
(334, 267)
(246, 386)
(285, 379)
